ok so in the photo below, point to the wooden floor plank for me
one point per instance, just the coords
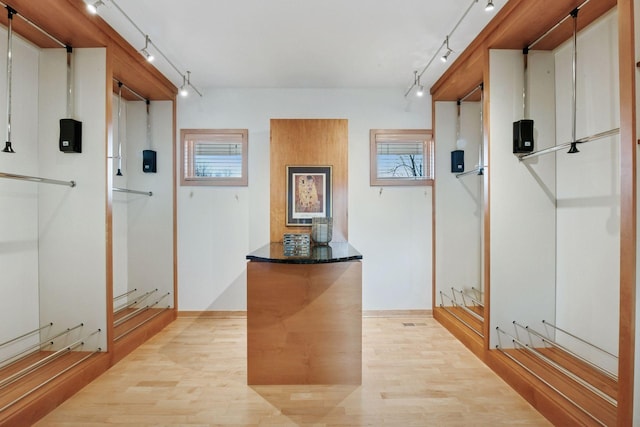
(193, 373)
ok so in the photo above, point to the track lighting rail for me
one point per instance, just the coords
(36, 179)
(126, 190)
(444, 43)
(554, 344)
(555, 148)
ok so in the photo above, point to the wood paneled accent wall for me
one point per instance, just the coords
(308, 142)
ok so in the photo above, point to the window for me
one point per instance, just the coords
(214, 157)
(401, 157)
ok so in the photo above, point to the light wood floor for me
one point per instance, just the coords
(193, 373)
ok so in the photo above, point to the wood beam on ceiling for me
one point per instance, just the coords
(518, 24)
(69, 22)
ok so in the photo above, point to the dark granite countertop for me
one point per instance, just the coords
(317, 254)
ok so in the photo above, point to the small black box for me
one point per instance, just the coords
(70, 136)
(148, 161)
(523, 136)
(457, 161)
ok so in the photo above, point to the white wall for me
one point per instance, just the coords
(72, 221)
(522, 198)
(19, 199)
(150, 219)
(218, 227)
(588, 191)
(459, 201)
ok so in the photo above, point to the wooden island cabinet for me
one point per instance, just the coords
(304, 316)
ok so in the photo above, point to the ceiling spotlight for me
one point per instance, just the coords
(420, 91)
(145, 51)
(445, 57)
(489, 6)
(183, 89)
(93, 7)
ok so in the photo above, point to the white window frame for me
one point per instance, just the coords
(390, 136)
(187, 139)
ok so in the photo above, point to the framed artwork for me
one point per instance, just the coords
(308, 193)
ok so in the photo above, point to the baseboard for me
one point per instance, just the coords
(241, 314)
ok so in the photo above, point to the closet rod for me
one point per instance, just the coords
(477, 171)
(554, 344)
(142, 98)
(26, 334)
(564, 371)
(547, 383)
(125, 190)
(569, 144)
(474, 90)
(579, 339)
(37, 179)
(28, 21)
(549, 31)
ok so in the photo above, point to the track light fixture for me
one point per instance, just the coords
(183, 89)
(445, 57)
(93, 7)
(145, 50)
(416, 83)
(489, 7)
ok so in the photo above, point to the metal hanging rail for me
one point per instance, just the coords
(136, 94)
(554, 344)
(545, 382)
(125, 190)
(480, 169)
(141, 323)
(35, 331)
(555, 148)
(138, 300)
(562, 369)
(442, 294)
(580, 339)
(28, 21)
(474, 90)
(477, 171)
(125, 294)
(549, 31)
(463, 306)
(37, 179)
(44, 383)
(27, 351)
(42, 362)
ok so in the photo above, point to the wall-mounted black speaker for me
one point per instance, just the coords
(70, 136)
(523, 136)
(148, 161)
(457, 161)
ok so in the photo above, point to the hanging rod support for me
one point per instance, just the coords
(549, 31)
(125, 190)
(569, 144)
(474, 90)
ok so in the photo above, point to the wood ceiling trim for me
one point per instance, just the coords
(69, 22)
(515, 26)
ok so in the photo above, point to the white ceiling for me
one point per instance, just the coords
(299, 43)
